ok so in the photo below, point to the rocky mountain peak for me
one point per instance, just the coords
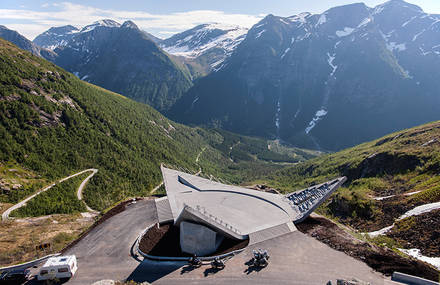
(63, 30)
(397, 6)
(129, 25)
(101, 23)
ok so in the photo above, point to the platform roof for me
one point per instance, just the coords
(246, 211)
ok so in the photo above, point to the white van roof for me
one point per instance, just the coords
(59, 260)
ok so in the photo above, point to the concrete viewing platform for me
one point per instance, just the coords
(232, 211)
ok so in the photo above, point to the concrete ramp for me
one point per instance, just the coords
(271, 233)
(164, 213)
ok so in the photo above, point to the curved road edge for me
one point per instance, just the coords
(5, 215)
(83, 184)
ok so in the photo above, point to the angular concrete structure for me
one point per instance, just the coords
(198, 239)
(232, 211)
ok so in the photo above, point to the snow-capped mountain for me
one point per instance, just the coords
(331, 80)
(55, 37)
(211, 43)
(101, 23)
(121, 58)
(60, 36)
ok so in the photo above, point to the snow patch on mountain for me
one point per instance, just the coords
(414, 252)
(330, 60)
(199, 41)
(409, 21)
(277, 116)
(417, 35)
(285, 52)
(101, 23)
(303, 37)
(378, 9)
(301, 18)
(259, 34)
(59, 44)
(414, 212)
(346, 32)
(421, 210)
(284, 21)
(318, 116)
(392, 46)
(322, 20)
(194, 101)
(364, 22)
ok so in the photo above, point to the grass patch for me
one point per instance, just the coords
(404, 224)
(383, 241)
(61, 240)
(430, 195)
(18, 239)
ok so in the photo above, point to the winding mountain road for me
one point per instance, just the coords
(83, 184)
(5, 215)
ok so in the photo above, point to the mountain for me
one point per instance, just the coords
(60, 36)
(204, 47)
(55, 37)
(326, 81)
(387, 178)
(121, 58)
(24, 43)
(52, 124)
(155, 39)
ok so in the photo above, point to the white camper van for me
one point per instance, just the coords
(58, 267)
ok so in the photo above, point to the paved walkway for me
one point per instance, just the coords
(105, 253)
(294, 259)
(6, 214)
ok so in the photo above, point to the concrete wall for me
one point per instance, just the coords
(408, 279)
(198, 239)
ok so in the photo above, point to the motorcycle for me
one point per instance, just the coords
(217, 264)
(260, 259)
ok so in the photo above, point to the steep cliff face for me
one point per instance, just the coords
(326, 81)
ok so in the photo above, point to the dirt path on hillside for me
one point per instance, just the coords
(5, 215)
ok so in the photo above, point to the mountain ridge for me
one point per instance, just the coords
(24, 43)
(54, 124)
(122, 58)
(303, 78)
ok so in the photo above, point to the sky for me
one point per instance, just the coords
(162, 18)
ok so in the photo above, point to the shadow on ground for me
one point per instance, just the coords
(252, 268)
(211, 271)
(151, 271)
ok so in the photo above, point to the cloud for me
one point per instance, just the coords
(30, 23)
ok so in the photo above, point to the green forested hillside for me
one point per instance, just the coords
(54, 124)
(386, 178)
(60, 199)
